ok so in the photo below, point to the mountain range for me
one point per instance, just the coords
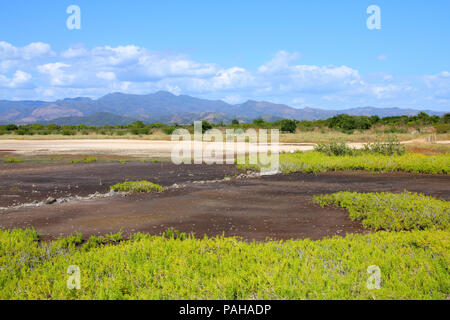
(162, 106)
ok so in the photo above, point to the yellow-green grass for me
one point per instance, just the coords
(137, 186)
(12, 160)
(390, 211)
(413, 265)
(315, 162)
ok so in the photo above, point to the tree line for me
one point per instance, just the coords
(342, 122)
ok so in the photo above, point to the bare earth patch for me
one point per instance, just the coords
(277, 207)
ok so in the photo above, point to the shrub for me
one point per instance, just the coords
(391, 147)
(206, 126)
(169, 130)
(288, 125)
(67, 132)
(442, 127)
(137, 186)
(334, 149)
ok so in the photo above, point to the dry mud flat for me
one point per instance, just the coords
(277, 207)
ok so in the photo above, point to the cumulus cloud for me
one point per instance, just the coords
(56, 73)
(77, 71)
(20, 79)
(28, 52)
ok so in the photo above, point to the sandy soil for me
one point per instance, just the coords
(112, 146)
(127, 147)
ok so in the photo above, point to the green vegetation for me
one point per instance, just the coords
(137, 186)
(315, 162)
(13, 160)
(288, 125)
(335, 149)
(339, 123)
(392, 212)
(414, 265)
(85, 160)
(389, 147)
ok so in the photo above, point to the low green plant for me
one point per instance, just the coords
(315, 162)
(13, 160)
(137, 186)
(391, 211)
(90, 160)
(413, 265)
(114, 237)
(174, 234)
(85, 160)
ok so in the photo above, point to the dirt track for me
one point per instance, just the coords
(278, 207)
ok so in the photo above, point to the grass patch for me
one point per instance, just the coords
(85, 160)
(13, 160)
(414, 265)
(390, 211)
(137, 186)
(315, 162)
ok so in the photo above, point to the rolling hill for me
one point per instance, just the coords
(162, 106)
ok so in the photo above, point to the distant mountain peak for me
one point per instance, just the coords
(163, 93)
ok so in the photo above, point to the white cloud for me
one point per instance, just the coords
(20, 79)
(35, 71)
(72, 53)
(28, 52)
(58, 77)
(279, 62)
(109, 76)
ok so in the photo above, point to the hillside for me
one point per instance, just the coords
(162, 106)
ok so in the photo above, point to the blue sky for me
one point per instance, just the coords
(302, 53)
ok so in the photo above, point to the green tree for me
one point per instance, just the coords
(288, 125)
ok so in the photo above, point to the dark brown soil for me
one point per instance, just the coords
(24, 183)
(277, 207)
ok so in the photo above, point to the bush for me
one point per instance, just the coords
(391, 147)
(206, 126)
(442, 127)
(334, 149)
(169, 130)
(392, 212)
(137, 186)
(288, 125)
